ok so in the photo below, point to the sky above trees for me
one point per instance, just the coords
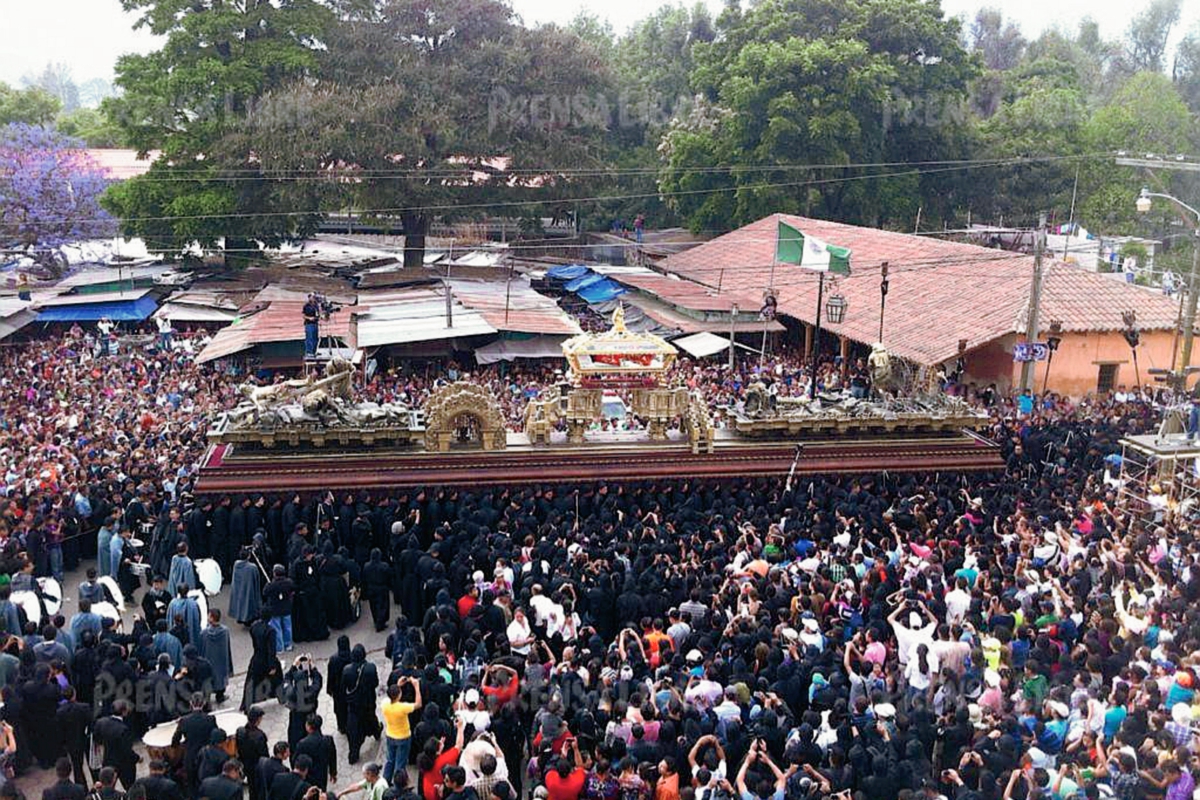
(88, 35)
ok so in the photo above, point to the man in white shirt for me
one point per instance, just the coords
(520, 633)
(910, 635)
(958, 602)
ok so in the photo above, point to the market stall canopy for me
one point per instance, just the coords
(702, 344)
(133, 306)
(510, 349)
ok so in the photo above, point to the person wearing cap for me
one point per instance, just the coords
(476, 716)
(397, 727)
(912, 632)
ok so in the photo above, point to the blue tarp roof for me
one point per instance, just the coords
(582, 282)
(116, 310)
(567, 272)
(601, 291)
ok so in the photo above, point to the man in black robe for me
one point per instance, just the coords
(199, 532)
(300, 693)
(322, 750)
(337, 664)
(239, 529)
(360, 680)
(115, 734)
(155, 602)
(194, 732)
(252, 748)
(308, 615)
(377, 578)
(221, 538)
(264, 673)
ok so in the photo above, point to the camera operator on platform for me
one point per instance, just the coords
(312, 311)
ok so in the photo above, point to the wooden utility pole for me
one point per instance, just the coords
(1035, 302)
(733, 312)
(449, 297)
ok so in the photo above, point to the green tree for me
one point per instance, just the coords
(1098, 64)
(191, 100)
(827, 83)
(89, 125)
(999, 43)
(424, 106)
(1148, 35)
(32, 106)
(1043, 116)
(1146, 115)
(1187, 70)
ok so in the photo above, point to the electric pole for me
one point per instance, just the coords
(733, 312)
(1035, 302)
(1189, 317)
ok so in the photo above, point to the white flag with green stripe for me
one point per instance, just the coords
(809, 252)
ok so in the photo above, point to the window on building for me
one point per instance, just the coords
(1107, 378)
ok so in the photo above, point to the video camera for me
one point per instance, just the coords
(325, 308)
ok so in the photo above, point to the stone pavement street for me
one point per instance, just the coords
(274, 723)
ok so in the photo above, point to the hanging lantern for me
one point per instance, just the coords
(835, 309)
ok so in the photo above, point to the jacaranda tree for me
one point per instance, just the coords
(49, 193)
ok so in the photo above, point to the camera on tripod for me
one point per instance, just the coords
(325, 308)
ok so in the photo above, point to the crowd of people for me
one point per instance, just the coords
(1004, 636)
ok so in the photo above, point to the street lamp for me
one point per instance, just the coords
(1052, 341)
(1143, 202)
(1189, 319)
(835, 309)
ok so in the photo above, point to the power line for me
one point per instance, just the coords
(251, 173)
(559, 201)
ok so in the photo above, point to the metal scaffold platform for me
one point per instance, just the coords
(1159, 472)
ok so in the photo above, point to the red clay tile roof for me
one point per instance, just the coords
(939, 291)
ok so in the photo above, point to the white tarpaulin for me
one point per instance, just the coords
(702, 344)
(509, 349)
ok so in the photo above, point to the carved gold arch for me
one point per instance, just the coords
(454, 400)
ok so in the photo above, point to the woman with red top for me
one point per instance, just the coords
(565, 782)
(435, 757)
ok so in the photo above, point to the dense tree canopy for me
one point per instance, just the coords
(825, 83)
(880, 112)
(191, 100)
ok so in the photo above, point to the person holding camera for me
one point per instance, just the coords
(398, 728)
(300, 692)
(312, 318)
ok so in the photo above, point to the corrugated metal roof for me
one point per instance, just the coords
(416, 321)
(183, 312)
(95, 275)
(11, 323)
(280, 321)
(677, 321)
(515, 306)
(91, 299)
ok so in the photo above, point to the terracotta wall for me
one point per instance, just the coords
(1075, 370)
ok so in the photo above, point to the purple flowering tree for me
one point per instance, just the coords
(49, 194)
